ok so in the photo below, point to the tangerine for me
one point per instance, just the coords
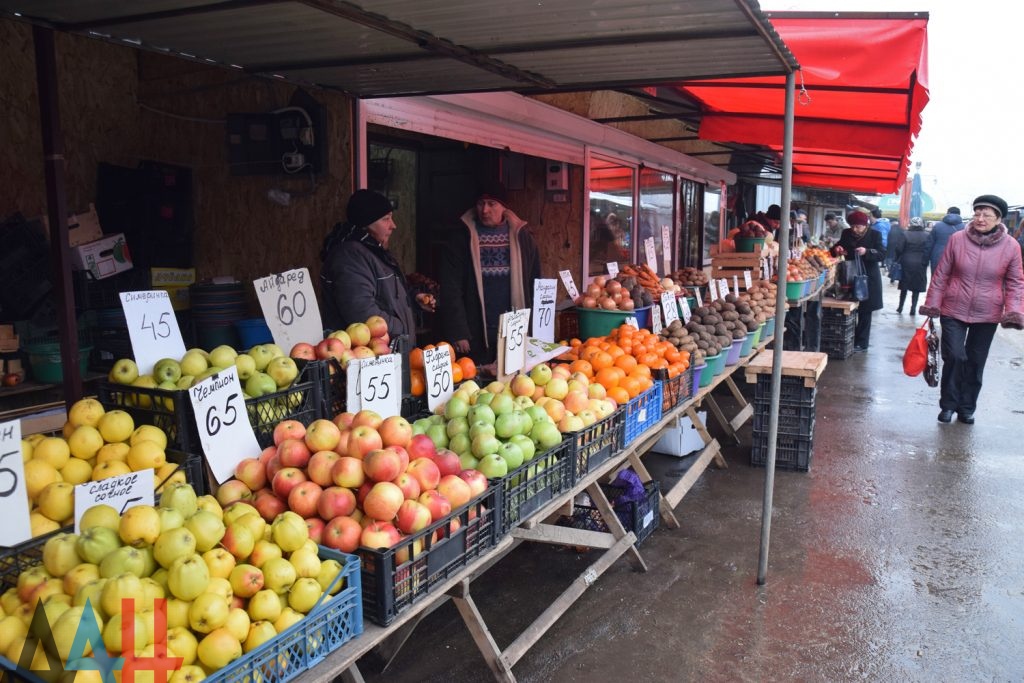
(416, 359)
(468, 367)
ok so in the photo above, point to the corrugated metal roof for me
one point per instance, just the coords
(374, 48)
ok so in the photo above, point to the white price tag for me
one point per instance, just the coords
(121, 492)
(437, 364)
(713, 290)
(666, 247)
(641, 416)
(648, 518)
(736, 286)
(723, 288)
(290, 308)
(656, 319)
(513, 327)
(652, 254)
(375, 384)
(224, 430)
(669, 307)
(698, 297)
(747, 282)
(613, 268)
(633, 322)
(544, 292)
(14, 505)
(152, 327)
(570, 286)
(684, 305)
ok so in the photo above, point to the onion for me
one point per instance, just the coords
(617, 297)
(613, 286)
(595, 290)
(589, 302)
(626, 305)
(608, 304)
(600, 281)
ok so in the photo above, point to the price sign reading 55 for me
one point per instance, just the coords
(375, 384)
(13, 493)
(152, 327)
(514, 325)
(290, 307)
(437, 363)
(224, 429)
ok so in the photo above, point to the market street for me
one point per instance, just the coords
(897, 557)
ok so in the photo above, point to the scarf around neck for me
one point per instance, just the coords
(986, 239)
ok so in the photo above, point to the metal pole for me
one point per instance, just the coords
(780, 329)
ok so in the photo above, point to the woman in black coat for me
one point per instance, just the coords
(913, 254)
(860, 240)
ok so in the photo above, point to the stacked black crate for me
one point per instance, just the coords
(837, 328)
(795, 437)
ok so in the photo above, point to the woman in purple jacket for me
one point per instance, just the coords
(978, 284)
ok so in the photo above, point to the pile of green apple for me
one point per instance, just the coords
(231, 582)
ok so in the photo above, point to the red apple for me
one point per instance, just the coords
(447, 462)
(379, 347)
(456, 490)
(382, 465)
(403, 455)
(336, 501)
(395, 431)
(303, 497)
(343, 533)
(348, 472)
(268, 505)
(288, 429)
(268, 453)
(293, 453)
(361, 440)
(383, 501)
(316, 529)
(344, 420)
(330, 348)
(252, 473)
(379, 535)
(378, 326)
(320, 465)
(231, 491)
(304, 351)
(286, 480)
(273, 467)
(342, 447)
(426, 473)
(359, 333)
(437, 504)
(322, 435)
(367, 418)
(476, 480)
(362, 492)
(421, 446)
(409, 484)
(412, 516)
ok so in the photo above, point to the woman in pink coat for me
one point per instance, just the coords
(978, 284)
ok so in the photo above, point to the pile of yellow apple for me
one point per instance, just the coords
(95, 444)
(231, 582)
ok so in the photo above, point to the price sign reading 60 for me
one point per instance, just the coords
(13, 492)
(224, 430)
(290, 308)
(437, 364)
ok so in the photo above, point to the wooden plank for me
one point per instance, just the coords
(720, 417)
(501, 669)
(563, 535)
(681, 487)
(742, 416)
(613, 522)
(807, 364)
(847, 307)
(351, 675)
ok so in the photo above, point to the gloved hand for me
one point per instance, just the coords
(930, 312)
(1013, 321)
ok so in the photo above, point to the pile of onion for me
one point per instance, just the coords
(607, 294)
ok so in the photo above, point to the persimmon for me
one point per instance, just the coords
(416, 359)
(456, 373)
(417, 383)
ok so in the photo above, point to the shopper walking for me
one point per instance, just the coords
(859, 241)
(951, 222)
(978, 284)
(912, 254)
(896, 236)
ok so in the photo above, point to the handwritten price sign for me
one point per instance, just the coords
(224, 430)
(747, 282)
(437, 363)
(122, 492)
(569, 284)
(375, 384)
(13, 493)
(684, 306)
(670, 307)
(613, 268)
(513, 326)
(652, 254)
(152, 328)
(544, 309)
(656, 325)
(290, 308)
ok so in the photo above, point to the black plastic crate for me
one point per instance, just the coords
(529, 487)
(674, 390)
(795, 419)
(791, 389)
(335, 387)
(591, 446)
(840, 350)
(642, 517)
(91, 293)
(397, 577)
(791, 452)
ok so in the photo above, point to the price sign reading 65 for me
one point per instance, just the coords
(13, 492)
(290, 308)
(224, 429)
(437, 364)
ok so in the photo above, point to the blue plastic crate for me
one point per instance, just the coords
(642, 412)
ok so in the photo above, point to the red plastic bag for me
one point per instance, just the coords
(915, 358)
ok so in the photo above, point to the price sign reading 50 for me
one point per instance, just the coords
(437, 363)
(224, 430)
(13, 493)
(290, 308)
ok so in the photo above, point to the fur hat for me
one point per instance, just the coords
(857, 218)
(992, 202)
(366, 206)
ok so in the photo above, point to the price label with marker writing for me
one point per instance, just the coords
(652, 254)
(223, 421)
(14, 505)
(375, 384)
(544, 309)
(437, 365)
(633, 322)
(666, 248)
(656, 325)
(152, 328)
(698, 297)
(747, 282)
(120, 492)
(513, 327)
(723, 288)
(290, 308)
(569, 284)
(736, 286)
(669, 307)
(713, 290)
(685, 306)
(613, 268)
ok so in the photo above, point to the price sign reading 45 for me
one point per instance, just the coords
(437, 364)
(290, 308)
(224, 430)
(152, 327)
(375, 384)
(13, 493)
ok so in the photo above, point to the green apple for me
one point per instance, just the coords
(186, 381)
(541, 374)
(260, 384)
(468, 461)
(420, 426)
(262, 355)
(456, 407)
(223, 356)
(460, 443)
(246, 365)
(484, 445)
(538, 414)
(493, 466)
(167, 370)
(545, 435)
(502, 404)
(283, 370)
(194, 362)
(481, 428)
(275, 350)
(125, 371)
(438, 435)
(483, 398)
(507, 425)
(526, 445)
(481, 413)
(512, 454)
(457, 425)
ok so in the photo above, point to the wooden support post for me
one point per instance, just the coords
(501, 668)
(711, 452)
(612, 521)
(351, 675)
(746, 410)
(723, 421)
(667, 516)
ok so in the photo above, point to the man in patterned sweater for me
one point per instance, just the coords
(487, 268)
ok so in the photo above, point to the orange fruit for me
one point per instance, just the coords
(582, 366)
(416, 359)
(468, 367)
(625, 362)
(619, 395)
(601, 359)
(608, 378)
(417, 383)
(631, 385)
(456, 373)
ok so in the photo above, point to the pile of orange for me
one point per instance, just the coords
(463, 368)
(623, 361)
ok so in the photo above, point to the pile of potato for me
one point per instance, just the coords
(690, 277)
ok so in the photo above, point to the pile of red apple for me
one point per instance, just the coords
(358, 480)
(357, 341)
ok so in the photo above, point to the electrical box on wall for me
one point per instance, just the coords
(557, 176)
(289, 140)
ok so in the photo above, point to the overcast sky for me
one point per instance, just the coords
(971, 127)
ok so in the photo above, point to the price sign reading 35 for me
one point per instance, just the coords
(437, 364)
(290, 307)
(13, 492)
(152, 328)
(223, 421)
(375, 384)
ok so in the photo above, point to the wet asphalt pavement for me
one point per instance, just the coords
(898, 557)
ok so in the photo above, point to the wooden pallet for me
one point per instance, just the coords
(806, 364)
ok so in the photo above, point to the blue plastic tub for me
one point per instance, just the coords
(696, 378)
(253, 331)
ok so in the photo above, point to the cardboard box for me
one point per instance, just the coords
(8, 339)
(104, 257)
(82, 228)
(176, 282)
(682, 439)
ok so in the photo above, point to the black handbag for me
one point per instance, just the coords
(861, 292)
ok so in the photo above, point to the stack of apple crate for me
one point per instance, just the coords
(795, 438)
(837, 330)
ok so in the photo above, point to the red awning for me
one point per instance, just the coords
(862, 84)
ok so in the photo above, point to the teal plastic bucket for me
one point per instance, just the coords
(253, 331)
(45, 361)
(715, 366)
